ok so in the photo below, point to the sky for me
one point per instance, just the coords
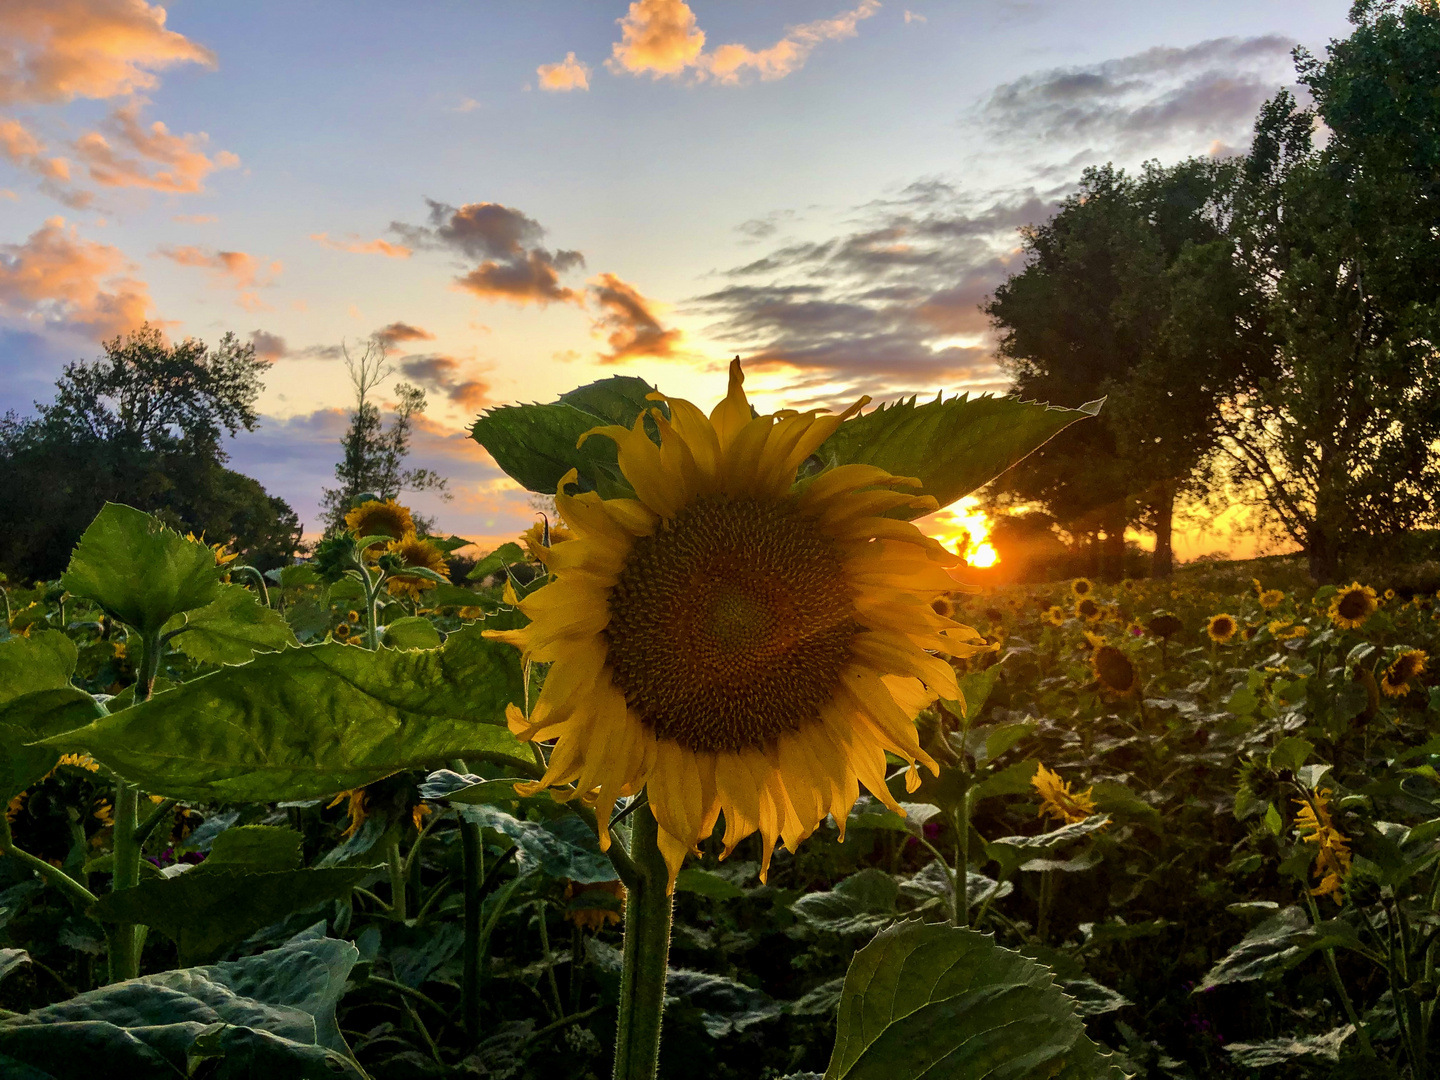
(521, 198)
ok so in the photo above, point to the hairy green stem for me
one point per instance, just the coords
(549, 960)
(125, 938)
(75, 892)
(259, 579)
(960, 913)
(153, 819)
(647, 952)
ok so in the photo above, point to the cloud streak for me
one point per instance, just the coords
(357, 246)
(629, 323)
(450, 377)
(236, 269)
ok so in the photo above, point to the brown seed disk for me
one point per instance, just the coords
(730, 625)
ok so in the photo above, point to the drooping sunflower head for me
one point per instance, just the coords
(1352, 605)
(732, 642)
(1270, 599)
(1165, 625)
(1088, 609)
(375, 518)
(1222, 628)
(417, 552)
(1082, 587)
(1058, 801)
(1114, 671)
(1410, 664)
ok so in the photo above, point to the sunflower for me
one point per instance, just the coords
(1054, 615)
(1165, 625)
(356, 809)
(1352, 605)
(342, 631)
(1410, 664)
(1221, 628)
(1058, 801)
(413, 551)
(732, 644)
(593, 917)
(1082, 587)
(1389, 595)
(1332, 847)
(534, 537)
(223, 556)
(1088, 609)
(1113, 670)
(376, 518)
(944, 607)
(1270, 599)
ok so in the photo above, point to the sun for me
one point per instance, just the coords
(964, 528)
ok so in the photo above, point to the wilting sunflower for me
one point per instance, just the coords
(1082, 587)
(1054, 615)
(1113, 671)
(1088, 609)
(534, 537)
(413, 551)
(1395, 681)
(1332, 847)
(1352, 605)
(1221, 628)
(376, 518)
(1165, 625)
(1058, 801)
(1270, 599)
(729, 643)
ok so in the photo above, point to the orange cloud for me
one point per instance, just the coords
(397, 332)
(237, 269)
(57, 278)
(59, 50)
(195, 219)
(363, 247)
(567, 75)
(447, 376)
(184, 165)
(661, 37)
(21, 146)
(629, 322)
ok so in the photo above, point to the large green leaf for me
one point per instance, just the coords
(564, 847)
(206, 910)
(231, 629)
(139, 571)
(271, 1014)
(947, 1003)
(40, 664)
(1276, 945)
(536, 444)
(952, 447)
(312, 721)
(861, 904)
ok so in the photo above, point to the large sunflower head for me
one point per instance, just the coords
(414, 551)
(732, 642)
(1088, 609)
(1410, 664)
(1352, 605)
(375, 518)
(1221, 628)
(1113, 671)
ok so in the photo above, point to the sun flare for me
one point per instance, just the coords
(963, 528)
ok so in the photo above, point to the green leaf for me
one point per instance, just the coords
(705, 883)
(464, 788)
(139, 571)
(504, 555)
(536, 444)
(1011, 780)
(411, 632)
(254, 847)
(975, 688)
(43, 661)
(725, 1006)
(861, 904)
(448, 595)
(205, 911)
(29, 719)
(1276, 945)
(271, 1014)
(231, 629)
(952, 447)
(1253, 1055)
(309, 722)
(1119, 801)
(1004, 737)
(1290, 753)
(564, 847)
(948, 1003)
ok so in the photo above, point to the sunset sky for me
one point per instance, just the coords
(525, 197)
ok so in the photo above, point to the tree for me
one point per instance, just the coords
(1335, 441)
(141, 426)
(372, 457)
(1098, 310)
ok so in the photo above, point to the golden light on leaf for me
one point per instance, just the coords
(963, 527)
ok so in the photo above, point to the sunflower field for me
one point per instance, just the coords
(721, 772)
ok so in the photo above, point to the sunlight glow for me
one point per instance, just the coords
(963, 528)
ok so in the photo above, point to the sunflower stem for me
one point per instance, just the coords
(647, 953)
(397, 881)
(472, 870)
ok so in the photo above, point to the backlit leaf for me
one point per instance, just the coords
(231, 629)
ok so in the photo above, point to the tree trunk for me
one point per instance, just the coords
(1324, 556)
(1113, 561)
(1162, 563)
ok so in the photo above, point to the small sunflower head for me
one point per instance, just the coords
(1082, 587)
(1114, 671)
(1088, 609)
(1222, 628)
(583, 909)
(1352, 605)
(342, 631)
(1270, 599)
(544, 535)
(376, 518)
(1058, 801)
(1410, 664)
(412, 551)
(943, 606)
(1165, 625)
(1054, 615)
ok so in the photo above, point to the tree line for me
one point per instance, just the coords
(1264, 327)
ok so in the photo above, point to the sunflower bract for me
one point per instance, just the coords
(731, 643)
